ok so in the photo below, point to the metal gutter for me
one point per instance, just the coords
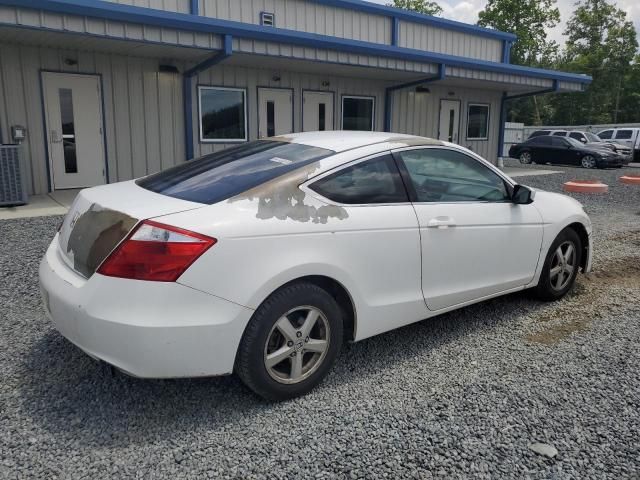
(181, 21)
(187, 91)
(389, 93)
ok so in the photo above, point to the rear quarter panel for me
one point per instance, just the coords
(272, 235)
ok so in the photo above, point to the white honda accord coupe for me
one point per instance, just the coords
(262, 259)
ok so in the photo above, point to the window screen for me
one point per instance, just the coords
(372, 181)
(357, 113)
(222, 114)
(222, 175)
(478, 122)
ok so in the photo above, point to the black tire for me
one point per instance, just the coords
(525, 157)
(250, 360)
(545, 289)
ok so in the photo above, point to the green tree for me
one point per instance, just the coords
(602, 43)
(421, 6)
(529, 20)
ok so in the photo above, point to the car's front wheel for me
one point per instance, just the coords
(525, 158)
(561, 266)
(588, 161)
(291, 342)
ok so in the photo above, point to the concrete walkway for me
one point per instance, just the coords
(54, 203)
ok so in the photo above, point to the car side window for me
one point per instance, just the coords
(546, 140)
(559, 142)
(560, 134)
(439, 175)
(535, 141)
(624, 134)
(372, 181)
(578, 136)
(606, 134)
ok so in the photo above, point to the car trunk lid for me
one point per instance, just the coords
(101, 217)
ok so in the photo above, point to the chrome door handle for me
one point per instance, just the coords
(441, 222)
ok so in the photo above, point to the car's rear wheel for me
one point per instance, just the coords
(291, 342)
(561, 266)
(588, 161)
(525, 158)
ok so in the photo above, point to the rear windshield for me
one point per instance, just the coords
(224, 174)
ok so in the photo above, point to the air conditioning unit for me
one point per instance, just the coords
(13, 189)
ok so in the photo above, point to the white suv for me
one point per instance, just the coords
(625, 136)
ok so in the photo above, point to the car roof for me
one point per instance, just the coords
(342, 140)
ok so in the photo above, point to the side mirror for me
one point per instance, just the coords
(522, 195)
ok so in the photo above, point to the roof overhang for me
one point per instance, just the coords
(193, 23)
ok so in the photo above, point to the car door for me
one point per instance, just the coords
(625, 137)
(475, 242)
(562, 153)
(541, 149)
(379, 241)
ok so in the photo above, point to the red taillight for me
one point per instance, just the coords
(156, 252)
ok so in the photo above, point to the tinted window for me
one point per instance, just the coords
(448, 176)
(357, 113)
(371, 181)
(578, 136)
(222, 114)
(605, 134)
(539, 133)
(222, 175)
(534, 141)
(624, 134)
(478, 122)
(560, 142)
(560, 134)
(545, 140)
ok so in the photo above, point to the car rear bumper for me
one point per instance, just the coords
(146, 329)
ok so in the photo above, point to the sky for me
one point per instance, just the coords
(467, 11)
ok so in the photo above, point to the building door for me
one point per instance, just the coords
(275, 111)
(73, 114)
(317, 111)
(449, 129)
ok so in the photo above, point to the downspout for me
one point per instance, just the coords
(388, 94)
(194, 8)
(187, 91)
(506, 51)
(503, 113)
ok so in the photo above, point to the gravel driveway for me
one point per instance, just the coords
(462, 395)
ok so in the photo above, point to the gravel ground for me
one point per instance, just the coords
(460, 396)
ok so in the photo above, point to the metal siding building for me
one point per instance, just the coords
(131, 87)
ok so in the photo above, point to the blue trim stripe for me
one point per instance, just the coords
(395, 31)
(127, 13)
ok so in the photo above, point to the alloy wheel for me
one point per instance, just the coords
(525, 157)
(297, 345)
(563, 265)
(588, 161)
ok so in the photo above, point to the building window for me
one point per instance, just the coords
(267, 19)
(478, 122)
(358, 113)
(223, 114)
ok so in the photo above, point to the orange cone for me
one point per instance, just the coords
(630, 179)
(586, 186)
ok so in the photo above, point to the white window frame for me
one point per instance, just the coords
(202, 88)
(488, 107)
(267, 19)
(361, 97)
